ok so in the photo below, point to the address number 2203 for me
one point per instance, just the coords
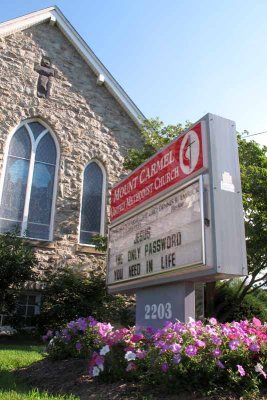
(158, 311)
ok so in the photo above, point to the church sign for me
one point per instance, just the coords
(178, 161)
(177, 220)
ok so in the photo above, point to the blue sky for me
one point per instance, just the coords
(177, 59)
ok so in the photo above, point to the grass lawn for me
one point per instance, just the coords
(17, 356)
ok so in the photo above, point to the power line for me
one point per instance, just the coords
(255, 134)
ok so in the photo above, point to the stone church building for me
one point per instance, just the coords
(65, 127)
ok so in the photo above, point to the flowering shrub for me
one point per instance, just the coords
(77, 339)
(200, 357)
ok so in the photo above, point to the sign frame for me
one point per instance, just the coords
(225, 249)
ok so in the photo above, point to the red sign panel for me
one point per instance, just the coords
(176, 162)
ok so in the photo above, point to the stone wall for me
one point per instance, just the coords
(88, 122)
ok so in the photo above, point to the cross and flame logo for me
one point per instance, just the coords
(189, 152)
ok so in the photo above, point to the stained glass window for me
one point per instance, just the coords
(36, 129)
(28, 190)
(46, 151)
(92, 212)
(20, 145)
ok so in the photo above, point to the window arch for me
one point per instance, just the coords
(29, 182)
(93, 202)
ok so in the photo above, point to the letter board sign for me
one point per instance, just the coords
(163, 238)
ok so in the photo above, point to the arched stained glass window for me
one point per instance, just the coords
(29, 182)
(93, 202)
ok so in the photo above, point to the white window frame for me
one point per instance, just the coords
(34, 145)
(36, 306)
(103, 203)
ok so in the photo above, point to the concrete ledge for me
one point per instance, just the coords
(41, 243)
(89, 250)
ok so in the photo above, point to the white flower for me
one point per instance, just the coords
(259, 368)
(191, 320)
(101, 367)
(104, 350)
(96, 371)
(213, 321)
(130, 356)
(7, 330)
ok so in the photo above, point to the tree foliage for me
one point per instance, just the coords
(100, 242)
(253, 167)
(155, 135)
(17, 262)
(228, 308)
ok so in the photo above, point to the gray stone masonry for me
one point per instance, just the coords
(88, 122)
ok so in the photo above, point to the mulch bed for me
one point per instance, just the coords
(69, 376)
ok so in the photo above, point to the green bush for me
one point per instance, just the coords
(17, 262)
(70, 294)
(227, 304)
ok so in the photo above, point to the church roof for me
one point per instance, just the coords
(55, 16)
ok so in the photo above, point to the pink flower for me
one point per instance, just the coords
(96, 359)
(226, 330)
(175, 347)
(92, 321)
(67, 337)
(241, 370)
(200, 343)
(82, 324)
(78, 346)
(167, 324)
(220, 364)
(136, 338)
(254, 347)
(234, 344)
(169, 336)
(191, 350)
(160, 344)
(104, 329)
(129, 348)
(164, 367)
(256, 321)
(216, 353)
(213, 321)
(177, 358)
(140, 354)
(216, 340)
(179, 327)
(164, 348)
(150, 330)
(131, 367)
